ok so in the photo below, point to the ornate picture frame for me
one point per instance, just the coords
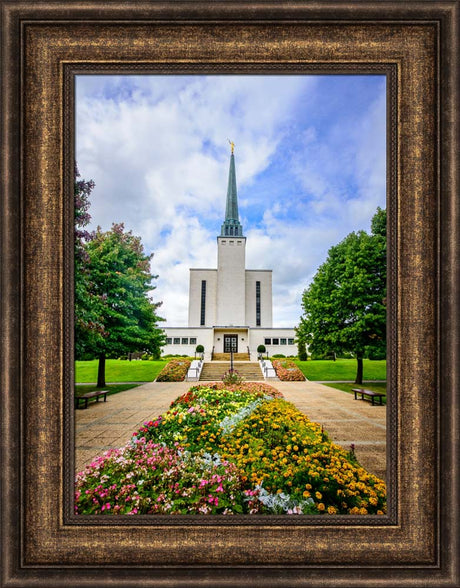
(44, 46)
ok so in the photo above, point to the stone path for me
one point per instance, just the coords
(104, 425)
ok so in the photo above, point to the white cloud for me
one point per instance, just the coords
(157, 149)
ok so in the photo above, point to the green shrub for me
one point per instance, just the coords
(232, 377)
(321, 356)
(302, 351)
(261, 349)
(345, 355)
(376, 354)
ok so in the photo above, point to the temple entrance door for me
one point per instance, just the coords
(230, 343)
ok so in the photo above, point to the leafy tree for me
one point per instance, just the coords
(121, 282)
(87, 328)
(344, 306)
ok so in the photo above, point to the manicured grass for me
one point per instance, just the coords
(117, 370)
(112, 388)
(342, 369)
(374, 386)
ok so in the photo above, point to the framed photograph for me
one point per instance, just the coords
(46, 46)
(303, 174)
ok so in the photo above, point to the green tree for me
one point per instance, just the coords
(87, 328)
(121, 281)
(344, 306)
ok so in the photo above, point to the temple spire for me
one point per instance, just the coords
(231, 225)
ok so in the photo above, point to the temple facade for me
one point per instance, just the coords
(230, 307)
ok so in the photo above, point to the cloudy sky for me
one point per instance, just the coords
(310, 155)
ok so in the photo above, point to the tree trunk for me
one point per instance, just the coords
(359, 373)
(101, 371)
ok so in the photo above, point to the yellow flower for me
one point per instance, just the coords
(308, 486)
(331, 510)
(320, 506)
(318, 495)
(306, 494)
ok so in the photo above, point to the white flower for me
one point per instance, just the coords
(229, 422)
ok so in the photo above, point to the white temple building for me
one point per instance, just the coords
(230, 307)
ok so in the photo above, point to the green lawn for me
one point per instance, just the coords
(117, 370)
(112, 388)
(375, 387)
(342, 369)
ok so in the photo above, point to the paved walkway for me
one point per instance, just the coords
(104, 425)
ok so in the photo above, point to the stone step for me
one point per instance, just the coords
(213, 372)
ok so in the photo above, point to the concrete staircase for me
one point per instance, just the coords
(214, 370)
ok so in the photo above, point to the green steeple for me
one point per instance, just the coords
(231, 225)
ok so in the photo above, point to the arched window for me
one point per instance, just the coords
(226, 230)
(231, 230)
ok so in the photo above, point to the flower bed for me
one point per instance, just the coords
(250, 387)
(287, 371)
(279, 448)
(150, 478)
(221, 451)
(174, 371)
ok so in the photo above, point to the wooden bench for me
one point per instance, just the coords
(90, 396)
(369, 394)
